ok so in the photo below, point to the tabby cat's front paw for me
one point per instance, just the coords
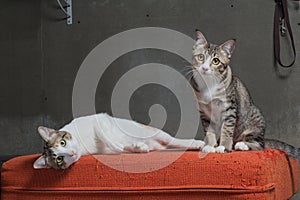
(208, 149)
(241, 146)
(220, 149)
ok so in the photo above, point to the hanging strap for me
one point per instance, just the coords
(281, 19)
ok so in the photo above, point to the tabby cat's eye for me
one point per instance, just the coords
(216, 61)
(63, 143)
(200, 57)
(59, 159)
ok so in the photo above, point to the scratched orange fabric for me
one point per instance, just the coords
(260, 175)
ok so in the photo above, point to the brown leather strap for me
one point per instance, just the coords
(281, 24)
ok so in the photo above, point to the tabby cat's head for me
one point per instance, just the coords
(60, 149)
(211, 60)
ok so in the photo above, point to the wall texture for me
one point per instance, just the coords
(40, 56)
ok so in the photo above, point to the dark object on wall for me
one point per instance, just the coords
(67, 10)
(281, 19)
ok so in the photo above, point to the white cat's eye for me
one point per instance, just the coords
(200, 57)
(216, 61)
(63, 143)
(59, 159)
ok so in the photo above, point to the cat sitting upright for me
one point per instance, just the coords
(228, 115)
(103, 134)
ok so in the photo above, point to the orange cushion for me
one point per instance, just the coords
(265, 174)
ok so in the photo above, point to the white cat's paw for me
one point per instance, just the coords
(220, 149)
(208, 149)
(241, 146)
(197, 144)
(140, 147)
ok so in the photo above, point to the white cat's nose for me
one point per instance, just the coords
(73, 153)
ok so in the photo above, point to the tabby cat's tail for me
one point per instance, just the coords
(288, 149)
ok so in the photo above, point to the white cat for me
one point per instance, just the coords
(103, 134)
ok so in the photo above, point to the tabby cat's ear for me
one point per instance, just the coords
(45, 132)
(200, 39)
(40, 163)
(228, 47)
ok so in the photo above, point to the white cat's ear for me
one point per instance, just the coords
(40, 163)
(200, 39)
(228, 47)
(45, 132)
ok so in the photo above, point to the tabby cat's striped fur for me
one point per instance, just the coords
(228, 115)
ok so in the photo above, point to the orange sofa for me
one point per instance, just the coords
(267, 174)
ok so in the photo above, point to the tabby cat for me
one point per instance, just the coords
(228, 115)
(103, 134)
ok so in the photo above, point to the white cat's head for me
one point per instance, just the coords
(60, 149)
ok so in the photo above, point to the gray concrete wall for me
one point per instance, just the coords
(40, 56)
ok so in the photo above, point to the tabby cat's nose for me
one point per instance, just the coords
(205, 69)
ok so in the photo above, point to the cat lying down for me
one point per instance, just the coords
(103, 134)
